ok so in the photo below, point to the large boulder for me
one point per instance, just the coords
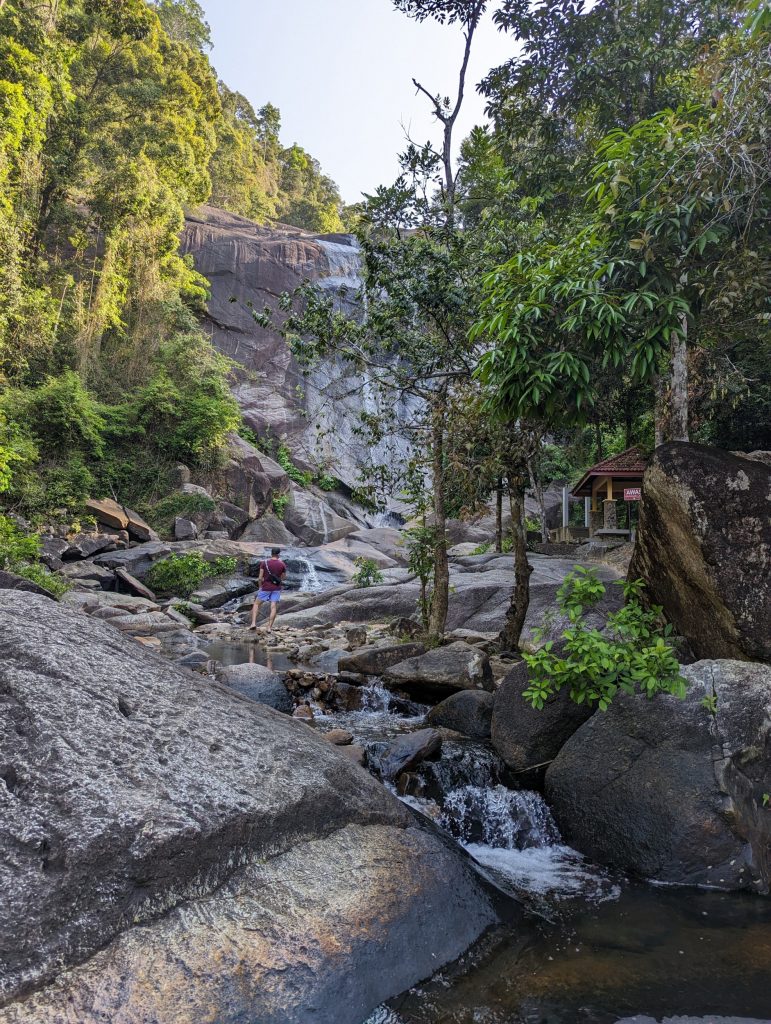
(666, 789)
(171, 851)
(268, 529)
(258, 683)
(525, 737)
(313, 521)
(458, 666)
(468, 712)
(374, 659)
(704, 548)
(408, 751)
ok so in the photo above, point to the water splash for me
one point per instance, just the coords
(499, 817)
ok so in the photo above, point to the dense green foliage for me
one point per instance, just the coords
(180, 575)
(18, 554)
(642, 254)
(112, 125)
(633, 654)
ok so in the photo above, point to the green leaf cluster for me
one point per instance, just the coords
(634, 653)
(19, 553)
(181, 575)
(367, 573)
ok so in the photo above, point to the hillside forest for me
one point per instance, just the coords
(591, 274)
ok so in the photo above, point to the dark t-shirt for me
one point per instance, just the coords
(276, 566)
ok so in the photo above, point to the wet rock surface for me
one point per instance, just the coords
(258, 683)
(179, 827)
(670, 791)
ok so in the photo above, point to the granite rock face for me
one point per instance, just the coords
(704, 548)
(186, 854)
(250, 266)
(667, 790)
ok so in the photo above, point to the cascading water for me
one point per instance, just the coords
(499, 817)
(309, 582)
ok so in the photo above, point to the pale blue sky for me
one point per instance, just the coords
(341, 73)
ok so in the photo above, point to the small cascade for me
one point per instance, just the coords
(375, 698)
(392, 519)
(502, 818)
(309, 582)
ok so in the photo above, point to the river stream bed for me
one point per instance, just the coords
(598, 948)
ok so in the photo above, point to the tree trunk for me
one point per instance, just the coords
(658, 411)
(499, 516)
(520, 597)
(679, 397)
(440, 595)
(536, 486)
(598, 438)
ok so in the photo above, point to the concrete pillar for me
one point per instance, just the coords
(595, 521)
(587, 513)
(609, 515)
(565, 507)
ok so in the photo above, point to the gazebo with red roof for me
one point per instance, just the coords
(618, 478)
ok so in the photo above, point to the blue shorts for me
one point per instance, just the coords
(268, 595)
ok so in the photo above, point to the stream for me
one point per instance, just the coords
(601, 948)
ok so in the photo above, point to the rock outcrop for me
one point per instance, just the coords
(172, 851)
(667, 789)
(458, 666)
(525, 737)
(704, 548)
(468, 712)
(250, 267)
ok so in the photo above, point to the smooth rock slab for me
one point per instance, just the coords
(458, 666)
(323, 933)
(374, 659)
(193, 856)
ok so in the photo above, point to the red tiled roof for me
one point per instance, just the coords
(631, 463)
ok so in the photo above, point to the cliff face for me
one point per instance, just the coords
(250, 266)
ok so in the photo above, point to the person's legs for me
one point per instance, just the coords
(273, 610)
(255, 612)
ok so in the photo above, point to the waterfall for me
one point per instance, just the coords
(309, 581)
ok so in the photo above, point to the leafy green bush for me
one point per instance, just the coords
(182, 574)
(482, 549)
(18, 554)
(162, 514)
(279, 504)
(635, 655)
(327, 482)
(284, 459)
(367, 573)
(186, 407)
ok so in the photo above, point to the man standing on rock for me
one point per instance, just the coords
(272, 572)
